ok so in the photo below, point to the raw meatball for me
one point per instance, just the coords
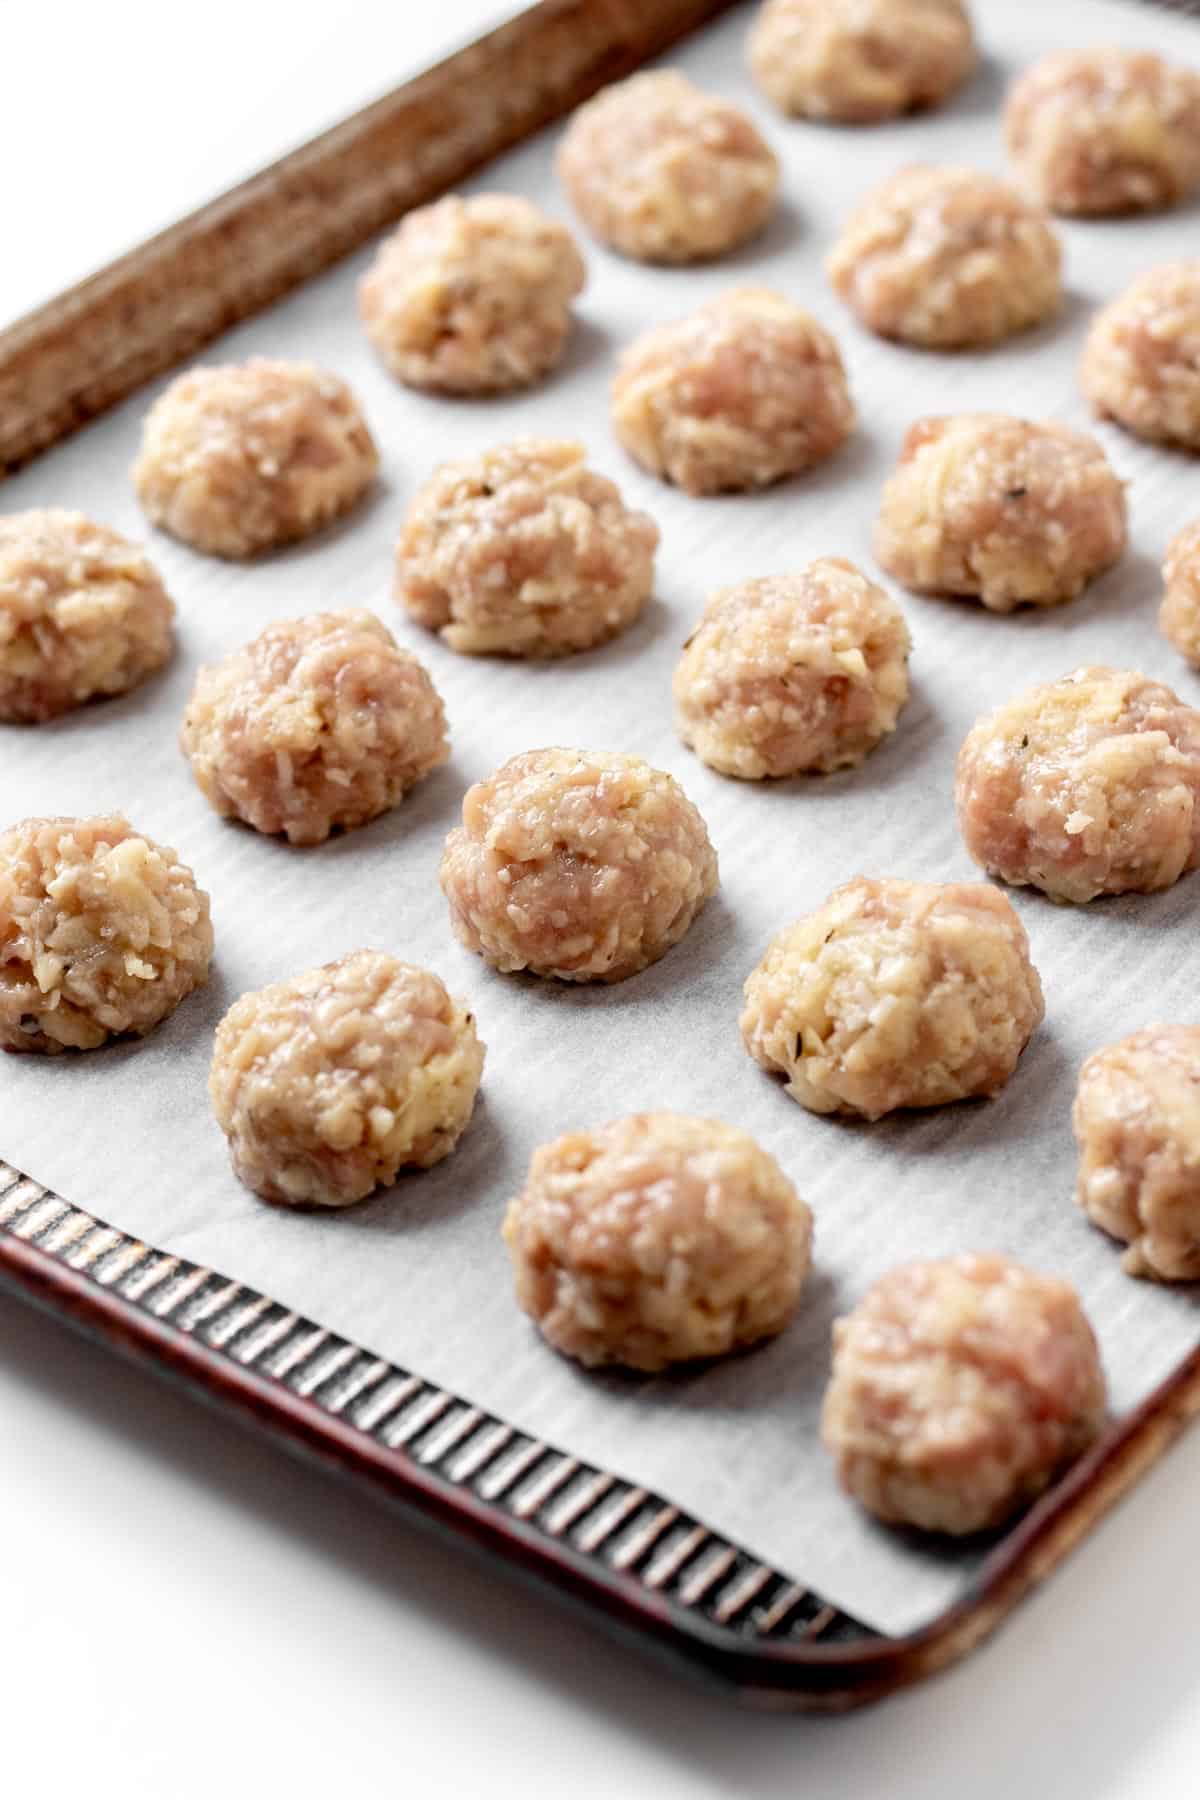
(859, 61)
(83, 614)
(741, 393)
(665, 173)
(102, 932)
(241, 458)
(524, 551)
(655, 1240)
(1084, 786)
(1137, 1124)
(793, 673)
(895, 994)
(580, 864)
(472, 296)
(1179, 615)
(1141, 360)
(1000, 510)
(1106, 131)
(947, 258)
(960, 1390)
(318, 724)
(327, 1085)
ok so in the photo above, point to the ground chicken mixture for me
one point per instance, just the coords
(329, 1084)
(472, 296)
(524, 551)
(960, 1390)
(102, 933)
(656, 1240)
(1141, 360)
(739, 394)
(1105, 131)
(1000, 510)
(318, 724)
(244, 457)
(895, 994)
(1179, 615)
(579, 864)
(1137, 1124)
(665, 173)
(860, 61)
(792, 674)
(83, 614)
(1084, 786)
(947, 258)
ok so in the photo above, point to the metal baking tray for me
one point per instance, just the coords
(628, 1557)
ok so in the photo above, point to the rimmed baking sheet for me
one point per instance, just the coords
(419, 1274)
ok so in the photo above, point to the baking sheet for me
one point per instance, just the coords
(419, 1274)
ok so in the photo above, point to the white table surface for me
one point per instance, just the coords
(185, 1611)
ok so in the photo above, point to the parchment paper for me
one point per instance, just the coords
(419, 1273)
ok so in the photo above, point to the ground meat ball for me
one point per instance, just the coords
(895, 994)
(960, 1390)
(102, 932)
(1179, 615)
(793, 673)
(1141, 360)
(83, 614)
(579, 864)
(241, 458)
(1000, 510)
(1105, 131)
(472, 296)
(741, 393)
(859, 61)
(330, 1083)
(655, 1240)
(665, 173)
(947, 258)
(1137, 1124)
(524, 551)
(1084, 786)
(316, 725)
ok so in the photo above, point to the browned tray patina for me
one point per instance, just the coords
(630, 1558)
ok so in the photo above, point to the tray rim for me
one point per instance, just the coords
(104, 338)
(107, 1295)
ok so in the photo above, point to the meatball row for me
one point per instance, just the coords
(524, 551)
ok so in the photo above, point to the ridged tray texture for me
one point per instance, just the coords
(628, 1531)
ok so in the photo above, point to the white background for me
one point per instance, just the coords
(184, 1611)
